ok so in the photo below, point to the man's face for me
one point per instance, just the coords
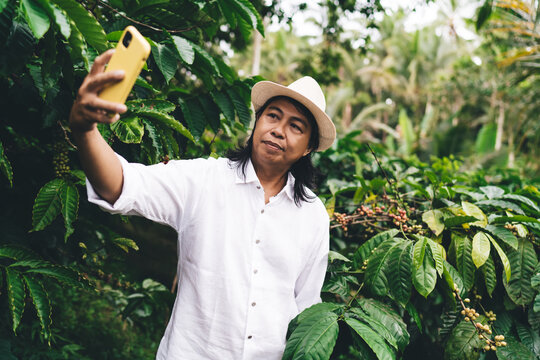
(281, 136)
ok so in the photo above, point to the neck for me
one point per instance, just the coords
(272, 179)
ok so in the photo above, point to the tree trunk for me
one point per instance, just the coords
(500, 127)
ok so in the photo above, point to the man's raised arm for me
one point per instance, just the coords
(98, 159)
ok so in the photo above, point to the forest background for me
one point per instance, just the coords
(432, 185)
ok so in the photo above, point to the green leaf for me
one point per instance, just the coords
(3, 4)
(128, 129)
(36, 16)
(512, 219)
(413, 313)
(69, 196)
(485, 141)
(458, 220)
(17, 253)
(86, 24)
(47, 204)
(502, 256)
(185, 50)
(366, 249)
(125, 244)
(205, 58)
(419, 252)
(41, 302)
(425, 277)
(242, 110)
(523, 262)
(225, 104)
(480, 249)
(529, 338)
(15, 292)
(165, 60)
(373, 339)
(62, 21)
(464, 262)
(453, 278)
(501, 204)
(492, 192)
(167, 121)
(514, 350)
(473, 210)
(438, 252)
(375, 275)
(388, 317)
(62, 274)
(522, 199)
(247, 11)
(463, 343)
(211, 111)
(400, 269)
(490, 277)
(5, 166)
(144, 105)
(313, 310)
(376, 325)
(228, 12)
(434, 219)
(503, 234)
(313, 338)
(483, 14)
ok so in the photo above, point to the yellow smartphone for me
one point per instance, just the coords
(130, 55)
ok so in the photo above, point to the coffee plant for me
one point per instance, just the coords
(428, 258)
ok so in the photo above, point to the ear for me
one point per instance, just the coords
(308, 150)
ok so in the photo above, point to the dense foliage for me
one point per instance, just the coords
(430, 256)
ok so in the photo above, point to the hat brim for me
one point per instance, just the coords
(265, 90)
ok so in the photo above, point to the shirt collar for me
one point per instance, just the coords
(251, 176)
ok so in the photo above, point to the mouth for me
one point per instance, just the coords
(273, 145)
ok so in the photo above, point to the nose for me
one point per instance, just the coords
(277, 131)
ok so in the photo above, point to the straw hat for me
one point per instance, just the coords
(306, 91)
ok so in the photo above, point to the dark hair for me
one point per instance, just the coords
(302, 170)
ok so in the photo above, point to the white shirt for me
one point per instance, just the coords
(245, 268)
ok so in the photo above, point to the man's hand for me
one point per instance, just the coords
(88, 109)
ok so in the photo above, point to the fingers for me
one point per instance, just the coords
(97, 82)
(101, 61)
(99, 116)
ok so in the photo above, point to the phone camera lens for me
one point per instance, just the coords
(127, 39)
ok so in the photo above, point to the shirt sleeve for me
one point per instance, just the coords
(309, 283)
(162, 193)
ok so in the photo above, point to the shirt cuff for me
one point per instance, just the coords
(122, 204)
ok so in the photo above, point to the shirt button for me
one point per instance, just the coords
(257, 241)
(249, 337)
(262, 211)
(255, 271)
(253, 303)
(258, 187)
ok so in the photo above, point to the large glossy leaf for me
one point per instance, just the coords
(365, 250)
(480, 249)
(5, 166)
(492, 192)
(458, 220)
(473, 210)
(247, 11)
(463, 343)
(453, 278)
(522, 199)
(376, 325)
(15, 292)
(41, 303)
(166, 60)
(313, 338)
(242, 110)
(529, 338)
(439, 255)
(425, 277)
(144, 105)
(62, 274)
(128, 129)
(69, 196)
(400, 270)
(434, 219)
(86, 23)
(225, 105)
(501, 204)
(490, 277)
(185, 50)
(17, 253)
(47, 204)
(211, 111)
(503, 257)
(503, 234)
(168, 121)
(523, 262)
(514, 351)
(313, 310)
(62, 21)
(419, 251)
(372, 338)
(516, 218)
(464, 262)
(375, 276)
(203, 57)
(37, 17)
(388, 317)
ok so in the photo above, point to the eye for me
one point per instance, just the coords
(296, 127)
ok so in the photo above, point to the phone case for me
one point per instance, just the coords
(131, 59)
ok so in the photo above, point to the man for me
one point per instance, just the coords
(252, 238)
